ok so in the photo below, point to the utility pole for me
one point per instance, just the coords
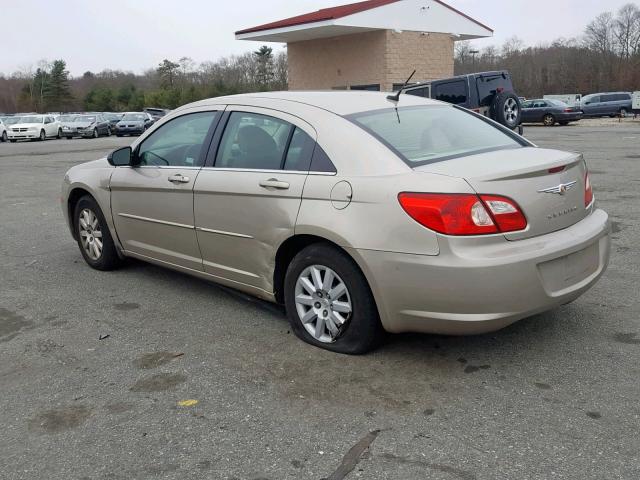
(473, 56)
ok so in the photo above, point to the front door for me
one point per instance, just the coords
(246, 199)
(152, 203)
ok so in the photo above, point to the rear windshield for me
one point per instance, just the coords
(433, 133)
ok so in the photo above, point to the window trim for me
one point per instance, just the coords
(206, 142)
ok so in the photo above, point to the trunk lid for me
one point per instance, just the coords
(547, 195)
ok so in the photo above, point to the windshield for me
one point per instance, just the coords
(432, 133)
(12, 120)
(67, 118)
(113, 116)
(135, 117)
(85, 118)
(31, 119)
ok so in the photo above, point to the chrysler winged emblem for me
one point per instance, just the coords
(559, 189)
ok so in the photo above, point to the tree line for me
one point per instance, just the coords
(50, 87)
(606, 57)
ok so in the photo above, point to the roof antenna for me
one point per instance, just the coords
(396, 97)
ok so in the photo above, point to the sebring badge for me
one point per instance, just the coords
(559, 189)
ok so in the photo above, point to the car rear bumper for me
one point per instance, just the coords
(478, 287)
(569, 117)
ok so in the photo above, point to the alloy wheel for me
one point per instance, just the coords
(548, 120)
(90, 234)
(323, 303)
(511, 111)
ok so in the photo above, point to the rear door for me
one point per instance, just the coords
(246, 199)
(152, 204)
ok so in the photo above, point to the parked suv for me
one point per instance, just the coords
(489, 93)
(606, 104)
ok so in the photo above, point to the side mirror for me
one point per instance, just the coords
(120, 157)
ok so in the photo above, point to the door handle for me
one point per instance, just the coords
(178, 178)
(274, 183)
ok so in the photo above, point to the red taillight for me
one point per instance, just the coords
(557, 169)
(568, 109)
(463, 214)
(505, 212)
(588, 190)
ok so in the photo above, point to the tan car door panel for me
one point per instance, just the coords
(242, 215)
(153, 215)
(152, 204)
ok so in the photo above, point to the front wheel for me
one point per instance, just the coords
(93, 236)
(329, 303)
(95, 133)
(43, 136)
(59, 136)
(548, 120)
(4, 136)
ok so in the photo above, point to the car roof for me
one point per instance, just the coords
(343, 102)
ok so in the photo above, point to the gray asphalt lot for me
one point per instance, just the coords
(553, 396)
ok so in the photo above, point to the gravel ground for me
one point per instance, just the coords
(553, 396)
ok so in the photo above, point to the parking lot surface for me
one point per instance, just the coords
(553, 396)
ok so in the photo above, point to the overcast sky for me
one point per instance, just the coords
(135, 35)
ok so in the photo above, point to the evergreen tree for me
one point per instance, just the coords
(57, 92)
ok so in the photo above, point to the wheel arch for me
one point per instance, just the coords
(294, 244)
(75, 194)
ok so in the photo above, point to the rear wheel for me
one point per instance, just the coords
(93, 236)
(548, 120)
(329, 303)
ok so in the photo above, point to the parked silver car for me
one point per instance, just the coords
(359, 213)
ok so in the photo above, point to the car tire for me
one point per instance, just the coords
(43, 136)
(88, 222)
(361, 330)
(95, 133)
(4, 137)
(506, 110)
(59, 136)
(548, 120)
(623, 112)
(108, 131)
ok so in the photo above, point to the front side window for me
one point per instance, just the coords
(177, 143)
(252, 140)
(432, 133)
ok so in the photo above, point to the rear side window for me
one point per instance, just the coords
(451, 92)
(430, 133)
(299, 152)
(252, 140)
(419, 92)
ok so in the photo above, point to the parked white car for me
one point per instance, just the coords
(3, 132)
(35, 127)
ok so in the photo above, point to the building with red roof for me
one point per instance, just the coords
(372, 45)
